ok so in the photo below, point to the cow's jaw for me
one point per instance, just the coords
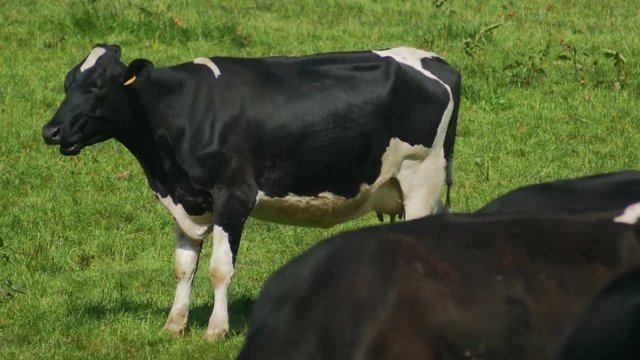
(70, 150)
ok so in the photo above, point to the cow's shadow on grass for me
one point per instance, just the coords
(122, 306)
(239, 312)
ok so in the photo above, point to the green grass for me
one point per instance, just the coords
(86, 267)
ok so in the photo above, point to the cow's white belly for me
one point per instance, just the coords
(385, 195)
(327, 209)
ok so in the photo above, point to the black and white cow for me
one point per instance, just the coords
(313, 140)
(442, 287)
(609, 328)
(596, 193)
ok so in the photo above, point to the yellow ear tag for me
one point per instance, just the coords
(130, 81)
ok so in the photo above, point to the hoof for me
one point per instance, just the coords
(214, 335)
(177, 321)
(174, 328)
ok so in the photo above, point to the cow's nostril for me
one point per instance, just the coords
(55, 132)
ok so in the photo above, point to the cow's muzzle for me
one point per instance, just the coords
(51, 134)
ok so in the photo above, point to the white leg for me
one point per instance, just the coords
(186, 265)
(421, 183)
(221, 272)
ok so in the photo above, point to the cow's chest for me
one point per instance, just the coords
(194, 226)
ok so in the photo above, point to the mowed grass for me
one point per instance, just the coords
(550, 90)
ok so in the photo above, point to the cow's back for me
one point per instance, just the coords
(605, 192)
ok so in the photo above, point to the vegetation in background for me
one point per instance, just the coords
(550, 90)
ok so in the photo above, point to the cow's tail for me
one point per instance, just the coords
(450, 139)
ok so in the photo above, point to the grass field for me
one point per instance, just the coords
(551, 89)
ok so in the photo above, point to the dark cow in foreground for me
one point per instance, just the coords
(604, 192)
(441, 287)
(610, 326)
(313, 140)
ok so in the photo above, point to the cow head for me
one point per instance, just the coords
(96, 106)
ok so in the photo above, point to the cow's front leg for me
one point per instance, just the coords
(186, 265)
(221, 271)
(231, 211)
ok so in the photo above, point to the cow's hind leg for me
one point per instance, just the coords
(186, 265)
(421, 182)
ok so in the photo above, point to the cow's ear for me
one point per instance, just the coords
(117, 50)
(137, 70)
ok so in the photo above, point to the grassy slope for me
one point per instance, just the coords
(86, 257)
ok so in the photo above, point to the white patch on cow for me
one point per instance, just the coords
(208, 63)
(92, 58)
(221, 271)
(410, 180)
(407, 54)
(323, 210)
(421, 177)
(630, 216)
(194, 226)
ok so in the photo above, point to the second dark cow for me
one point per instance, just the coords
(441, 287)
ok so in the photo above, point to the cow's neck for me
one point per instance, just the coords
(163, 172)
(145, 140)
(141, 144)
